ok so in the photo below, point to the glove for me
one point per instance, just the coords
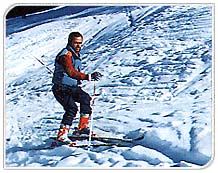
(96, 76)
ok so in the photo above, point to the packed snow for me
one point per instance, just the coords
(157, 67)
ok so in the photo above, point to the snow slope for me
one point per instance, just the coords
(157, 66)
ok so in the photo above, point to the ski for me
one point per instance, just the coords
(56, 143)
(107, 141)
(104, 138)
(98, 145)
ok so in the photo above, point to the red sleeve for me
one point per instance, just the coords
(66, 62)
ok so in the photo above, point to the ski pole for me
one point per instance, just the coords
(40, 61)
(91, 121)
(49, 70)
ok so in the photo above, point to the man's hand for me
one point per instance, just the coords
(96, 76)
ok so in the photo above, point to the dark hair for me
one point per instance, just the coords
(72, 35)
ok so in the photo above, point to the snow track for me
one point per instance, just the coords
(157, 66)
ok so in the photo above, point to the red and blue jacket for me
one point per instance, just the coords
(67, 68)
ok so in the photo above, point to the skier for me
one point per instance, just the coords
(66, 87)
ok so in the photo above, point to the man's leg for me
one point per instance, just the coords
(85, 111)
(70, 107)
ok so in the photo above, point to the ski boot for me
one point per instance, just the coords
(83, 128)
(63, 135)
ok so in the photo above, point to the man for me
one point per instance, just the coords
(66, 89)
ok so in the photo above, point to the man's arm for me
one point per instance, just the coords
(66, 62)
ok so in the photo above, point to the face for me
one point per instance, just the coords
(77, 43)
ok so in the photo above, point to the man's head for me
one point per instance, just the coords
(75, 40)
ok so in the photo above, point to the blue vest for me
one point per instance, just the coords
(60, 77)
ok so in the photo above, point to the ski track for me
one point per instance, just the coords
(156, 62)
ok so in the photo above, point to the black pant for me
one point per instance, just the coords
(67, 97)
